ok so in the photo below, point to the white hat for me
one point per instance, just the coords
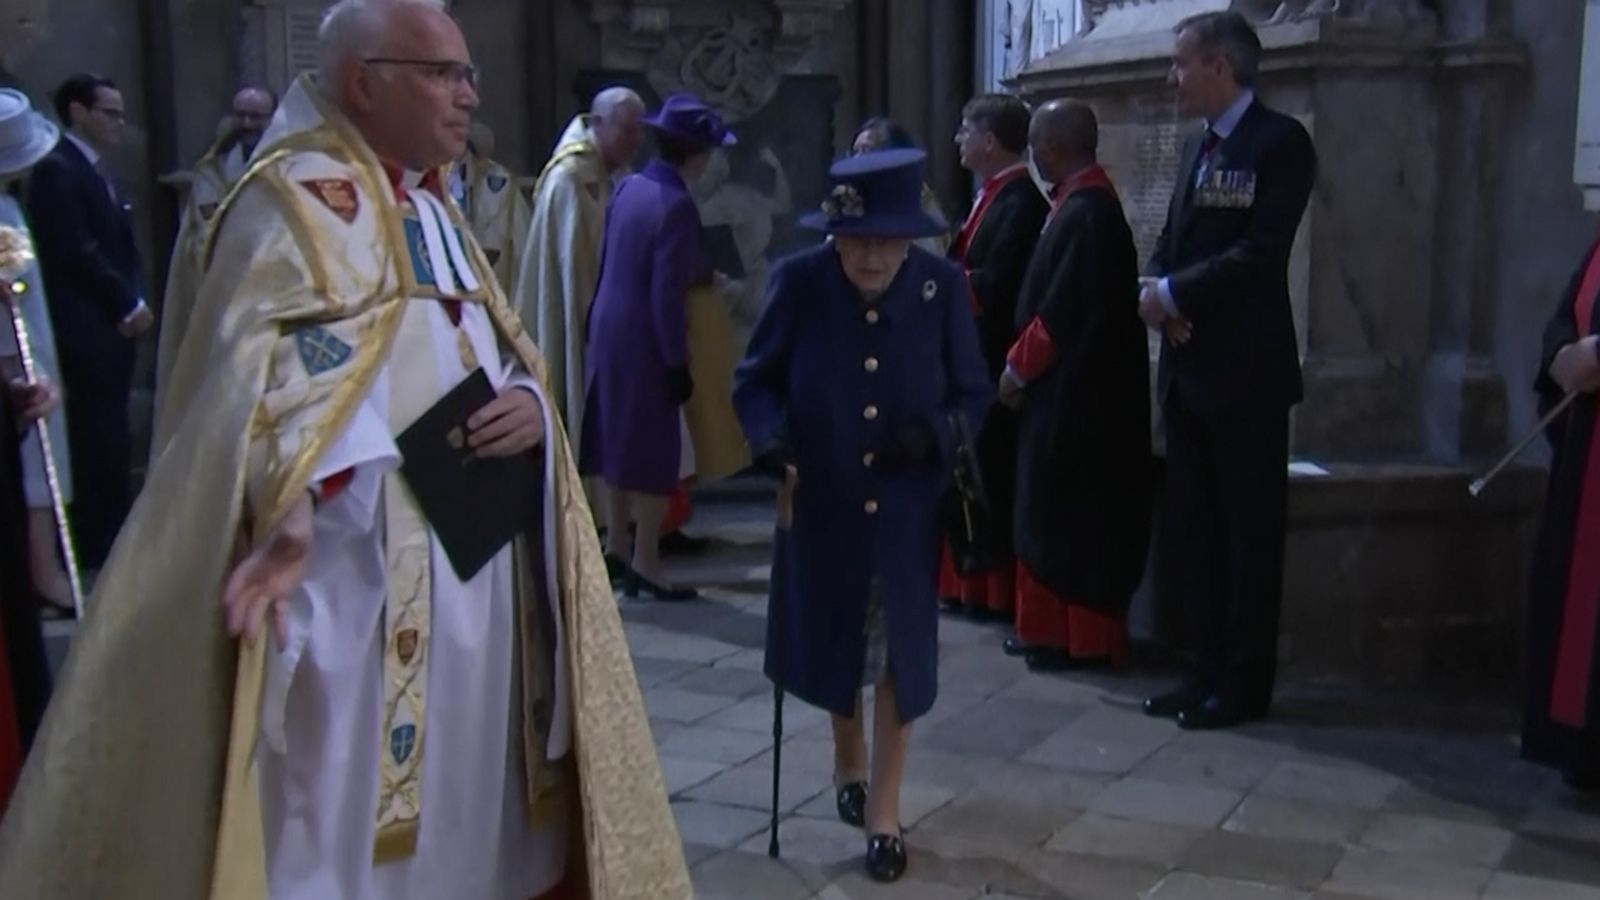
(25, 136)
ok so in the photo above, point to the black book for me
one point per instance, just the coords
(475, 506)
(723, 251)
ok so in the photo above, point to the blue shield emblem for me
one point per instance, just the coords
(319, 350)
(421, 265)
(497, 183)
(402, 741)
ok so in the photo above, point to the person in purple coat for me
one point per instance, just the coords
(859, 374)
(637, 370)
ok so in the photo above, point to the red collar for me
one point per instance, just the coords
(430, 181)
(1091, 176)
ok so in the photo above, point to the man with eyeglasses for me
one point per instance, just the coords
(432, 697)
(214, 175)
(83, 227)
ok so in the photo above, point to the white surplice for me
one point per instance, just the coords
(322, 709)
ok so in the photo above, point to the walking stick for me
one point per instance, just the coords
(1477, 487)
(776, 595)
(16, 252)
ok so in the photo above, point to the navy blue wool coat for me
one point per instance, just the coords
(831, 379)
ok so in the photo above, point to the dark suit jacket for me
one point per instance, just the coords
(1229, 271)
(997, 259)
(90, 265)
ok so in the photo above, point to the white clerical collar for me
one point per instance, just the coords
(89, 153)
(1229, 120)
(410, 180)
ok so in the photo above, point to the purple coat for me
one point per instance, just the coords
(638, 332)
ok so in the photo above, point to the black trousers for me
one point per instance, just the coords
(99, 433)
(1226, 514)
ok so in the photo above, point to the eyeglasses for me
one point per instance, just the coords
(115, 115)
(443, 70)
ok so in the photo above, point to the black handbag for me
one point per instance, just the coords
(968, 517)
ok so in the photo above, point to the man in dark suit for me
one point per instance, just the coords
(84, 232)
(993, 248)
(1218, 290)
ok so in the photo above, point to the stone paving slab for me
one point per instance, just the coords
(1297, 819)
(1093, 834)
(1438, 839)
(1266, 860)
(1022, 786)
(1189, 886)
(1369, 873)
(1167, 804)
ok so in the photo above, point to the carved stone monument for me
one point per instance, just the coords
(766, 67)
(1389, 281)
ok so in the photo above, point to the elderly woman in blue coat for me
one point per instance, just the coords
(862, 361)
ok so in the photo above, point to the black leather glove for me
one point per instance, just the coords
(680, 386)
(911, 444)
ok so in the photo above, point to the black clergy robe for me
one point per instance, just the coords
(993, 248)
(1084, 468)
(1561, 725)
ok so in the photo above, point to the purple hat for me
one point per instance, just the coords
(684, 118)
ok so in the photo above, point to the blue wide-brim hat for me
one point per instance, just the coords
(876, 194)
(685, 118)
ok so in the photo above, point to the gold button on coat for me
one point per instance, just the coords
(871, 365)
(872, 507)
(870, 413)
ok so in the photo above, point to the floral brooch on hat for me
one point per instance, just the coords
(844, 203)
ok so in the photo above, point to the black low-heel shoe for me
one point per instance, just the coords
(886, 857)
(852, 803)
(669, 593)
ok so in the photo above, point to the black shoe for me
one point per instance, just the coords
(1014, 647)
(1215, 713)
(951, 605)
(1171, 705)
(680, 544)
(1049, 659)
(669, 593)
(886, 857)
(616, 569)
(852, 803)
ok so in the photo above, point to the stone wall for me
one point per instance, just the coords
(1443, 225)
(1543, 230)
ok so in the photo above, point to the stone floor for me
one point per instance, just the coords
(1028, 786)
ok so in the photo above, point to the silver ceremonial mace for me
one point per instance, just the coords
(1477, 487)
(16, 252)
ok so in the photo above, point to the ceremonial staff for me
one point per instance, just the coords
(16, 253)
(1477, 487)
